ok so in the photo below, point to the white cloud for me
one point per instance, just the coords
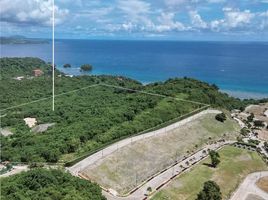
(196, 20)
(31, 12)
(233, 19)
(216, 1)
(134, 7)
(190, 3)
(167, 23)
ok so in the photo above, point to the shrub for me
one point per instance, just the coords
(220, 117)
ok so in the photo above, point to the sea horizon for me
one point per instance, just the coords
(236, 67)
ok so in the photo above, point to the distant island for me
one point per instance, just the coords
(86, 67)
(17, 39)
(67, 65)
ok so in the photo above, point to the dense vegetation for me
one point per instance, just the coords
(211, 191)
(13, 67)
(87, 119)
(42, 184)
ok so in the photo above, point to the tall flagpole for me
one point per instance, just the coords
(53, 58)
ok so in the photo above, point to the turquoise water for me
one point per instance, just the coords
(236, 67)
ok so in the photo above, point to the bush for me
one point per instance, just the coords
(221, 117)
(250, 117)
(211, 191)
(258, 123)
(244, 131)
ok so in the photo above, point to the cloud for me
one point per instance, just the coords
(134, 8)
(234, 19)
(196, 20)
(168, 23)
(31, 12)
(190, 3)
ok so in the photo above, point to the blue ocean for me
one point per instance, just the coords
(239, 68)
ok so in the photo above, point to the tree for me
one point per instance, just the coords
(47, 184)
(258, 123)
(86, 67)
(214, 156)
(250, 117)
(211, 191)
(244, 131)
(220, 117)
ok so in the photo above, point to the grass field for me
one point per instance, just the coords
(131, 165)
(235, 165)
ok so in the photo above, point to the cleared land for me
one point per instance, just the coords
(254, 197)
(259, 111)
(262, 183)
(129, 166)
(235, 165)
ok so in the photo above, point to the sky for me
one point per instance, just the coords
(225, 20)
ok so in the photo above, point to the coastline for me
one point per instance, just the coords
(245, 94)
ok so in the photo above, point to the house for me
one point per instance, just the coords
(30, 122)
(37, 72)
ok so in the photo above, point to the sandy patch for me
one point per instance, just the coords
(266, 113)
(262, 134)
(260, 111)
(254, 197)
(262, 183)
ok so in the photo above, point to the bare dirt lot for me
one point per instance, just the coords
(262, 183)
(131, 165)
(259, 111)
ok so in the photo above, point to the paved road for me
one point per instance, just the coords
(80, 166)
(249, 187)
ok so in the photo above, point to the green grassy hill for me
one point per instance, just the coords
(90, 118)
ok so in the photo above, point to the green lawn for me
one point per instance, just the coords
(235, 165)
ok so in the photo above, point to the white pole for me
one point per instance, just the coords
(53, 58)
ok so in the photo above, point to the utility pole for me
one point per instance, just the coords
(53, 57)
